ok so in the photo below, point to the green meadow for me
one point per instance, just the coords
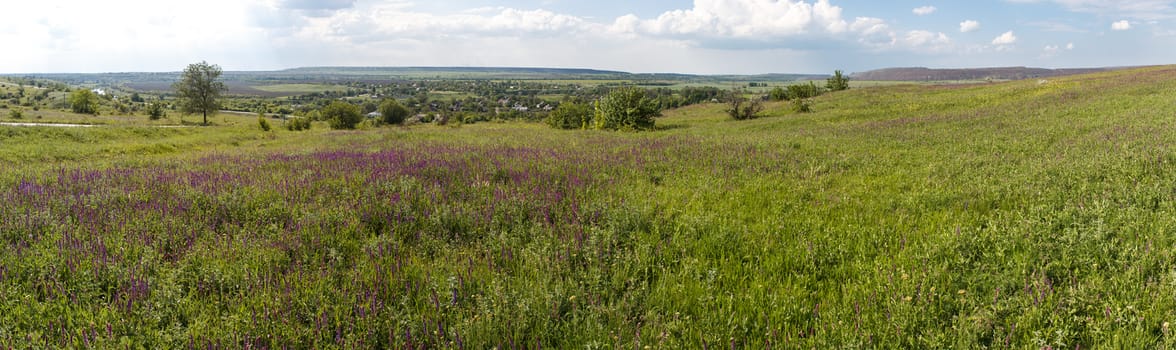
(1023, 214)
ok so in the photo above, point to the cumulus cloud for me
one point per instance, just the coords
(924, 10)
(745, 19)
(1008, 38)
(969, 26)
(869, 25)
(1121, 25)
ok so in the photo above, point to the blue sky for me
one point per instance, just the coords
(684, 36)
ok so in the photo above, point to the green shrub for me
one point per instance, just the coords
(155, 111)
(16, 113)
(570, 115)
(778, 94)
(342, 115)
(392, 112)
(626, 108)
(837, 82)
(298, 124)
(802, 105)
(802, 91)
(83, 101)
(739, 107)
(265, 125)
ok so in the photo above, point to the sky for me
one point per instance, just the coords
(643, 36)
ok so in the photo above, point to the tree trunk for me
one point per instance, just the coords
(205, 118)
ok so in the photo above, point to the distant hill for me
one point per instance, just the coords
(999, 73)
(159, 81)
(418, 70)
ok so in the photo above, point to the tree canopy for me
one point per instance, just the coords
(199, 89)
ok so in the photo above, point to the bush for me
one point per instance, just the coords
(298, 124)
(392, 112)
(155, 111)
(742, 108)
(570, 115)
(803, 91)
(16, 113)
(837, 82)
(342, 115)
(778, 94)
(265, 125)
(83, 101)
(802, 105)
(625, 108)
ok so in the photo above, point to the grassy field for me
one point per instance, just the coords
(1022, 214)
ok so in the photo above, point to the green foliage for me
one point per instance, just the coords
(625, 108)
(778, 94)
(199, 89)
(368, 107)
(838, 82)
(16, 113)
(801, 105)
(341, 115)
(83, 101)
(803, 91)
(155, 111)
(739, 107)
(900, 217)
(298, 124)
(570, 115)
(262, 122)
(392, 112)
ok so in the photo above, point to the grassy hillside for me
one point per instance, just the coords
(1024, 214)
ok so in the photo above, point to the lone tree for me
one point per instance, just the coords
(626, 108)
(393, 112)
(199, 89)
(742, 108)
(83, 101)
(837, 82)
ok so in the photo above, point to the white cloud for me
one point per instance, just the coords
(1139, 9)
(1050, 51)
(1008, 38)
(969, 26)
(923, 40)
(1121, 25)
(56, 35)
(924, 10)
(747, 19)
(869, 25)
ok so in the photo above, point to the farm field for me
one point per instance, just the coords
(1023, 214)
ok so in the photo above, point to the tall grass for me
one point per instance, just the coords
(1010, 215)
